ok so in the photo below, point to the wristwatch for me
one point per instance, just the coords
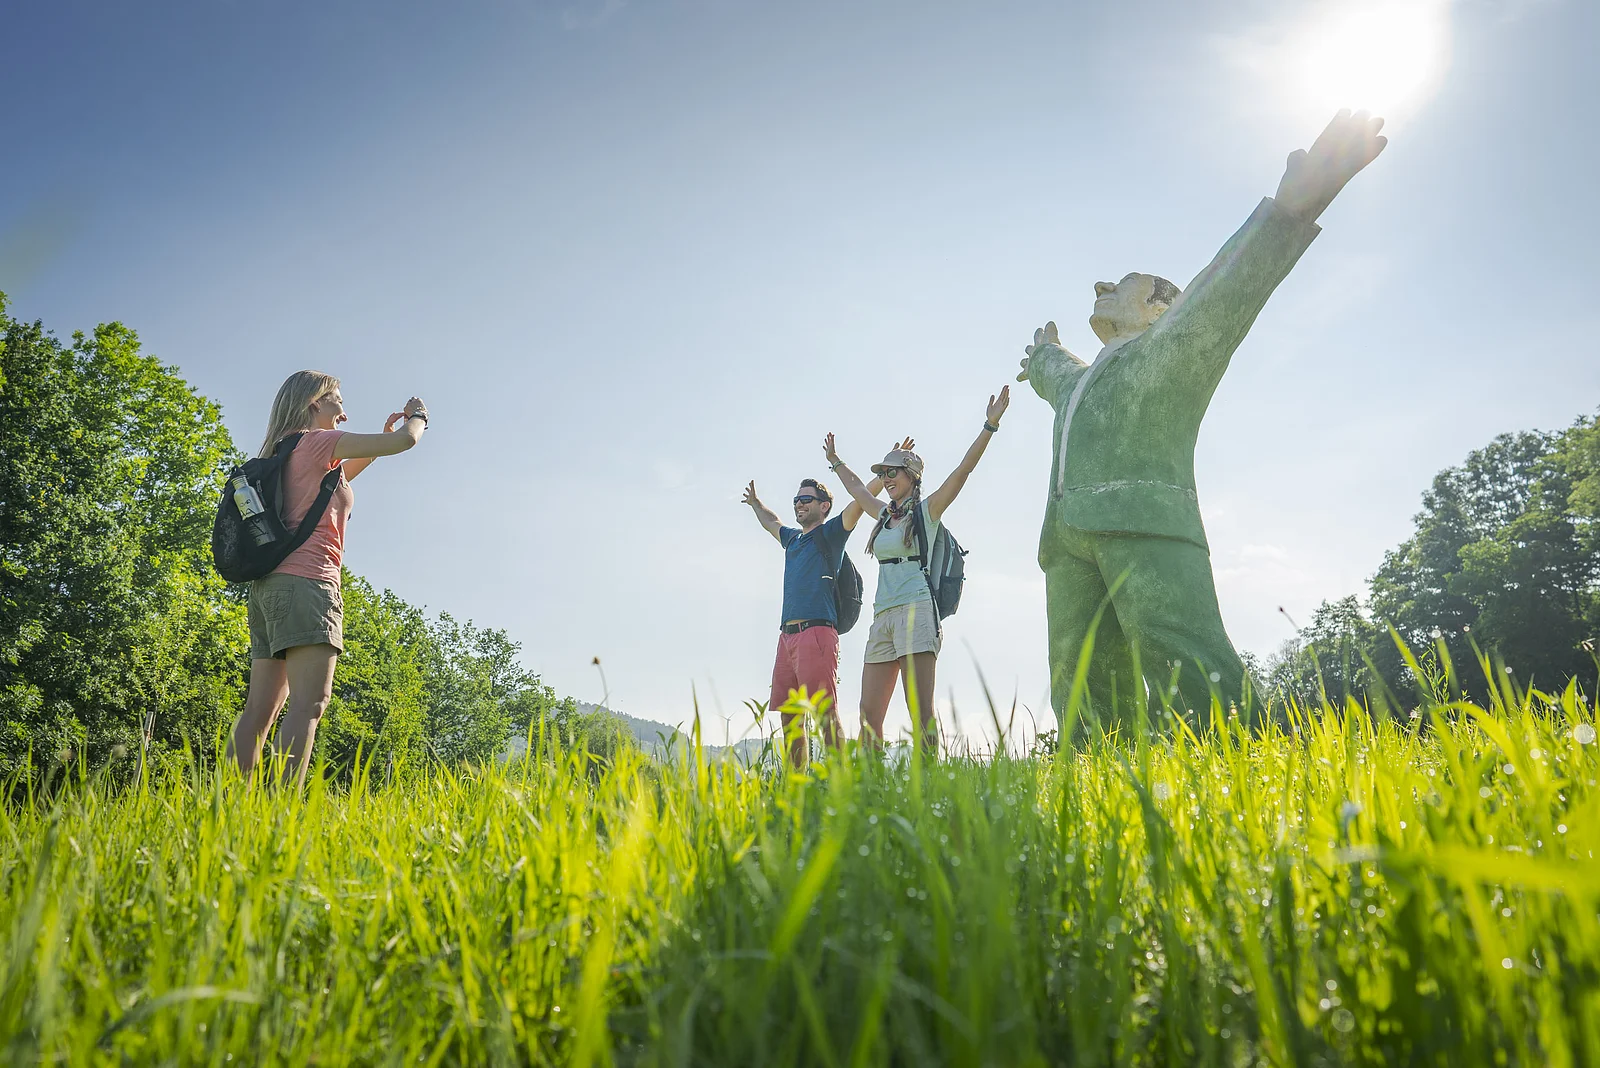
(423, 415)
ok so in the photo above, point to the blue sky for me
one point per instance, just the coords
(634, 254)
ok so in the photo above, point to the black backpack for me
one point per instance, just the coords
(234, 549)
(847, 590)
(945, 567)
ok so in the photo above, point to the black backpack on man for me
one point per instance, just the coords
(847, 592)
(248, 539)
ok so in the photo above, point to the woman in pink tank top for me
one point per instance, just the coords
(296, 612)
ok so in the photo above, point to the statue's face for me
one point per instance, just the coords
(1123, 309)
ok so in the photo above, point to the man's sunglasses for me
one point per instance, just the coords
(805, 498)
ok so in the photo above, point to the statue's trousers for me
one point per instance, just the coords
(1162, 604)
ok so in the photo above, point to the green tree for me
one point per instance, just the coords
(479, 694)
(380, 687)
(110, 614)
(1328, 658)
(1505, 561)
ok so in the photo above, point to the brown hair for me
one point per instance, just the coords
(822, 491)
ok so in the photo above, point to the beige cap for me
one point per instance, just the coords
(901, 458)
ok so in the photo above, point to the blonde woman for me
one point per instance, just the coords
(296, 612)
(904, 639)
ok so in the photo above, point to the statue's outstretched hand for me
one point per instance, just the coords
(1315, 176)
(1045, 335)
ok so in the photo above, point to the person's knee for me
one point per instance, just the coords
(309, 707)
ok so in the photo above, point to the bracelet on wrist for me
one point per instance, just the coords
(990, 427)
(836, 465)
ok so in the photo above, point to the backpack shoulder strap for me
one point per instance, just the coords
(827, 559)
(927, 562)
(922, 539)
(330, 483)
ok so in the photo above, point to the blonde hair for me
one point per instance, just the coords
(291, 409)
(908, 527)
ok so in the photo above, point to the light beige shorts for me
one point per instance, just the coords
(288, 610)
(901, 631)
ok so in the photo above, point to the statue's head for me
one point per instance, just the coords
(1127, 308)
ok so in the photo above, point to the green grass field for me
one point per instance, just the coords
(1419, 891)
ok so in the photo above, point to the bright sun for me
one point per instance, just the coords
(1382, 56)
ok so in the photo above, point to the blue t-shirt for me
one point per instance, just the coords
(807, 591)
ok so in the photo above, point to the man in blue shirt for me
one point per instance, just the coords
(808, 646)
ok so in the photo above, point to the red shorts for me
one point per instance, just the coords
(809, 659)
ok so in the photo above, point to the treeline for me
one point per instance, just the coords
(1503, 567)
(117, 635)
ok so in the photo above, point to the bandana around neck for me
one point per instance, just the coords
(900, 511)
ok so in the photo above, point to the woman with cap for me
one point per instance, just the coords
(904, 637)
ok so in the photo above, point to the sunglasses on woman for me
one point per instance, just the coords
(890, 472)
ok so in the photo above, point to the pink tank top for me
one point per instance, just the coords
(319, 558)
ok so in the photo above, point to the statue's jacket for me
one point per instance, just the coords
(1126, 425)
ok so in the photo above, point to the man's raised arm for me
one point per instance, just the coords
(764, 515)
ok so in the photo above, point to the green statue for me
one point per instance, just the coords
(1123, 518)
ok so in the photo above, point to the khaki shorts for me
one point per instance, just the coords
(902, 630)
(287, 610)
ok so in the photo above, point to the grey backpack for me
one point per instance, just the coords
(944, 566)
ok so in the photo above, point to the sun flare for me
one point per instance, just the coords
(1383, 57)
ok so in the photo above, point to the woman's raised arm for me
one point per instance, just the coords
(945, 495)
(853, 511)
(414, 420)
(852, 483)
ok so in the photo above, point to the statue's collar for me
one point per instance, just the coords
(1114, 344)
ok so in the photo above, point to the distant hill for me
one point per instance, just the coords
(651, 736)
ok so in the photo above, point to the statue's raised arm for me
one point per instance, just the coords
(1217, 309)
(1315, 176)
(1123, 513)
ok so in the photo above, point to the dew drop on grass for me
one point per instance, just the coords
(1583, 734)
(864, 850)
(1506, 964)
